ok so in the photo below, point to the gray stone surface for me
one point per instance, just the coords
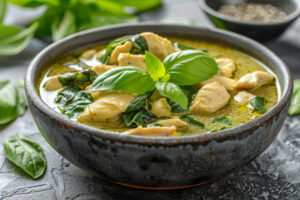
(273, 175)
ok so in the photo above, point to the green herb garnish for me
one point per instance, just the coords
(258, 104)
(224, 120)
(192, 121)
(26, 154)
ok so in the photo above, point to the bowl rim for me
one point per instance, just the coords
(35, 99)
(290, 17)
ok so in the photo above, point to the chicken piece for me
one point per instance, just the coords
(159, 46)
(89, 54)
(161, 108)
(106, 108)
(243, 97)
(228, 83)
(178, 123)
(126, 59)
(125, 48)
(152, 131)
(227, 67)
(53, 84)
(254, 80)
(210, 98)
(100, 69)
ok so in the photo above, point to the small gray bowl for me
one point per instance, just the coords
(157, 163)
(258, 31)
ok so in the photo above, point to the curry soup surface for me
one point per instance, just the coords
(237, 113)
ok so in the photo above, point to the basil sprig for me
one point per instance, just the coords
(26, 154)
(181, 68)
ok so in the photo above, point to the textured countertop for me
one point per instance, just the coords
(273, 175)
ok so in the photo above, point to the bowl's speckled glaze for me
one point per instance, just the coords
(157, 162)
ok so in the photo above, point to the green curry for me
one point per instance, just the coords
(147, 85)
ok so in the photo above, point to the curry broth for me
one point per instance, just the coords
(233, 110)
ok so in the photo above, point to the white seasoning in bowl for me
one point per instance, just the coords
(254, 12)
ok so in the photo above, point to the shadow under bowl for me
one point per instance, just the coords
(255, 30)
(162, 162)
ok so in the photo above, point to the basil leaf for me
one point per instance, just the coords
(154, 66)
(87, 75)
(14, 39)
(26, 154)
(190, 93)
(21, 99)
(181, 46)
(172, 92)
(2, 9)
(258, 104)
(191, 120)
(139, 5)
(34, 3)
(128, 79)
(189, 67)
(64, 26)
(72, 101)
(11, 102)
(224, 120)
(295, 103)
(137, 112)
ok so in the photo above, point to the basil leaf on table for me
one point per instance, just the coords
(14, 39)
(191, 120)
(72, 101)
(224, 120)
(258, 104)
(128, 79)
(154, 66)
(189, 67)
(295, 103)
(172, 92)
(33, 3)
(64, 26)
(11, 102)
(22, 151)
(3, 5)
(140, 5)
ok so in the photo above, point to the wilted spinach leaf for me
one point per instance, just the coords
(137, 112)
(22, 151)
(72, 101)
(258, 104)
(224, 120)
(191, 120)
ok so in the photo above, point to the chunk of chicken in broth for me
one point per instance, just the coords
(210, 98)
(178, 123)
(161, 108)
(126, 59)
(53, 84)
(125, 48)
(153, 131)
(100, 69)
(106, 108)
(227, 67)
(254, 80)
(228, 83)
(159, 46)
(243, 97)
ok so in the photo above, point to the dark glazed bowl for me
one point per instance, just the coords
(157, 162)
(258, 31)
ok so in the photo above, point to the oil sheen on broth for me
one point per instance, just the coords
(234, 113)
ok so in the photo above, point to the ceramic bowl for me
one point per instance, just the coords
(255, 30)
(162, 162)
